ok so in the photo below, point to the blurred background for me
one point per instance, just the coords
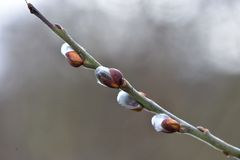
(183, 54)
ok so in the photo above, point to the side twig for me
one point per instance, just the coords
(199, 133)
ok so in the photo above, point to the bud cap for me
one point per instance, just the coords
(109, 77)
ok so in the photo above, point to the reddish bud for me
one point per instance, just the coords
(163, 123)
(170, 125)
(109, 77)
(73, 57)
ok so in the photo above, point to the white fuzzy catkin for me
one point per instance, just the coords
(125, 100)
(157, 122)
(65, 49)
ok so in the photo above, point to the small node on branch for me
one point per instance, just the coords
(109, 77)
(73, 58)
(127, 101)
(163, 123)
(202, 129)
(226, 153)
(58, 26)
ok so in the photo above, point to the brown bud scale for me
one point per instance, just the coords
(170, 125)
(74, 59)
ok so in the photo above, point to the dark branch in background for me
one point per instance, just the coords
(199, 133)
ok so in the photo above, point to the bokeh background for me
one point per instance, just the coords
(184, 54)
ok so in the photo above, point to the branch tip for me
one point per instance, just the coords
(31, 8)
(26, 1)
(226, 153)
(34, 11)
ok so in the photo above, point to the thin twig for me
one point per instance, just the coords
(89, 62)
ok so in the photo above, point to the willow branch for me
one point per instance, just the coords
(199, 133)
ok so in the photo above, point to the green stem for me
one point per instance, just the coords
(147, 103)
(205, 137)
(89, 61)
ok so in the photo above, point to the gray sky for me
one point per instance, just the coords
(8, 9)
